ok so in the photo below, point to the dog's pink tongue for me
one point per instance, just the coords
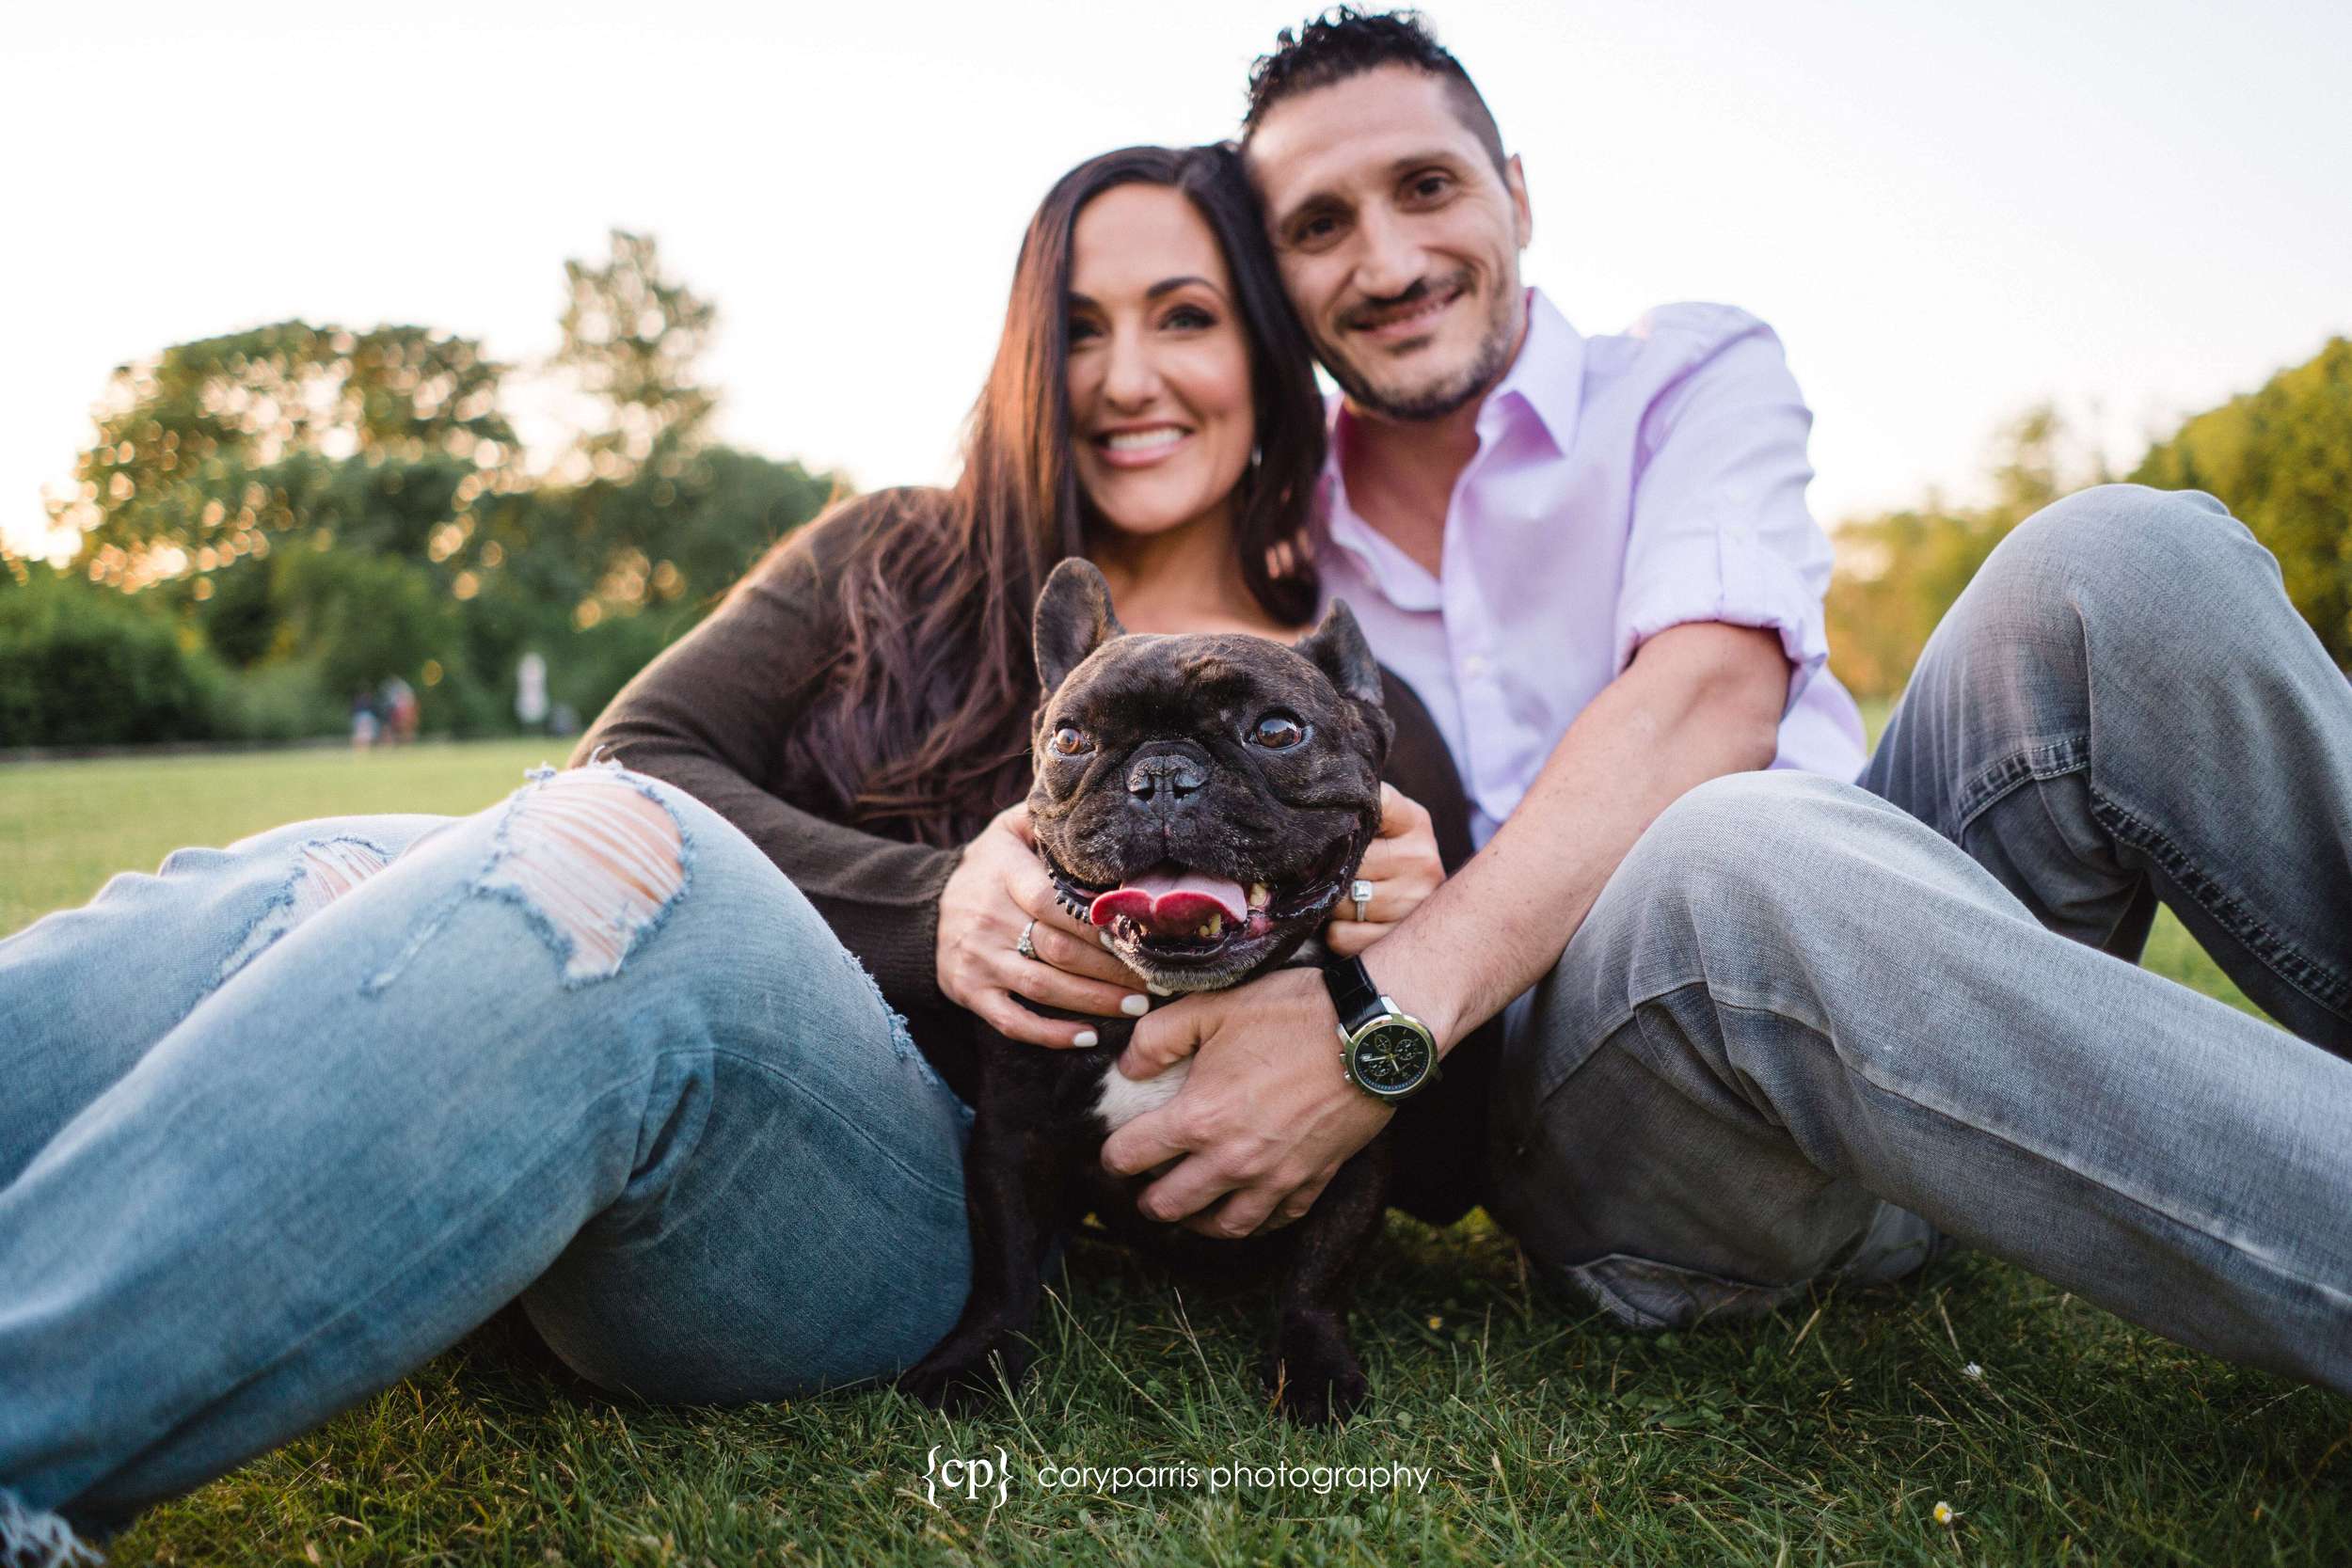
(1168, 897)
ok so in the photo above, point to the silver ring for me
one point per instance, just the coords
(1360, 891)
(1025, 947)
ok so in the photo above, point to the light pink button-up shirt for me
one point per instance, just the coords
(1622, 486)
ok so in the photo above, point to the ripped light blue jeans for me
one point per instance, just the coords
(283, 1120)
(1813, 1029)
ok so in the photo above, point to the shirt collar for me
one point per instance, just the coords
(1546, 379)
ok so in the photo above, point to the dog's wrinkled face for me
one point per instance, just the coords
(1204, 798)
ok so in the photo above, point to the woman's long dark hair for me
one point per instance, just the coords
(921, 732)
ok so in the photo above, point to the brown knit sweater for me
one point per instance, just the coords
(711, 715)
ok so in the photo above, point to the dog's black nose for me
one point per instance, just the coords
(1166, 776)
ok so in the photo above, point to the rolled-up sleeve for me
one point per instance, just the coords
(1720, 527)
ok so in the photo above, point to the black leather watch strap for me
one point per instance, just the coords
(1352, 993)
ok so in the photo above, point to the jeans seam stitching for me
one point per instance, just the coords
(771, 1071)
(2269, 948)
(2034, 763)
(1617, 1021)
(1859, 1071)
(348, 1309)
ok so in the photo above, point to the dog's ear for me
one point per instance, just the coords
(1073, 618)
(1337, 647)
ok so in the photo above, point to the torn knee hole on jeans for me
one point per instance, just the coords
(598, 860)
(325, 870)
(595, 860)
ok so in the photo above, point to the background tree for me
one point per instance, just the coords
(2281, 459)
(202, 447)
(1898, 572)
(632, 340)
(296, 512)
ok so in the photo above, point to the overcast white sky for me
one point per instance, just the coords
(1946, 211)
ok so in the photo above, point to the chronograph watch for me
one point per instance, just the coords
(1385, 1051)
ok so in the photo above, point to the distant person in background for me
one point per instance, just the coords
(365, 725)
(530, 690)
(399, 701)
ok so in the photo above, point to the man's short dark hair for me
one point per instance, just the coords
(1344, 42)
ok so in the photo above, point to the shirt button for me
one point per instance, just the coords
(1473, 667)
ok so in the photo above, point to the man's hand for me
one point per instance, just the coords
(1263, 1121)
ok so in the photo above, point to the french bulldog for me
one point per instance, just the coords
(1203, 800)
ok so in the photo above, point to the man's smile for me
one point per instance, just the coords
(1408, 319)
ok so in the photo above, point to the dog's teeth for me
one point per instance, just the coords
(1258, 896)
(1214, 927)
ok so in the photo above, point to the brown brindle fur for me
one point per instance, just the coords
(1153, 709)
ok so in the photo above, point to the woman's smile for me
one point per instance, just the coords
(1141, 446)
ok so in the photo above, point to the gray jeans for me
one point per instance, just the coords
(1813, 1029)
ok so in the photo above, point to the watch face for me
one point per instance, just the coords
(1391, 1057)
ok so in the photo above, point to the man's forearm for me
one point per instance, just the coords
(1697, 702)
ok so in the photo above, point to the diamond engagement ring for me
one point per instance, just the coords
(1360, 891)
(1025, 947)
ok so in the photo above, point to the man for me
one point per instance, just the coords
(1776, 1026)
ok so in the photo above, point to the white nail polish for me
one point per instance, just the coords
(1086, 1036)
(1156, 988)
(1134, 1006)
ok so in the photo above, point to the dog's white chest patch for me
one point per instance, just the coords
(1124, 1098)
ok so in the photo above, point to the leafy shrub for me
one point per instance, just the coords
(83, 665)
(286, 700)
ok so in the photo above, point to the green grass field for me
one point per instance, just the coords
(1825, 1435)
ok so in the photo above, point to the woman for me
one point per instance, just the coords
(287, 1119)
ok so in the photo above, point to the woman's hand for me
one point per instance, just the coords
(1403, 867)
(999, 888)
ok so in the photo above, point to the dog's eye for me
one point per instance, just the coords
(1070, 741)
(1278, 731)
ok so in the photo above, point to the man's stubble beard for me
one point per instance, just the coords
(1434, 403)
